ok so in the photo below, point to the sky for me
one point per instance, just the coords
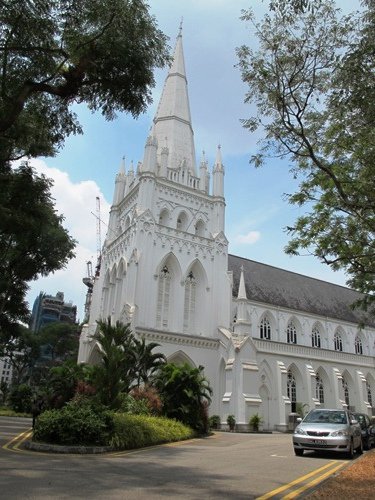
(256, 209)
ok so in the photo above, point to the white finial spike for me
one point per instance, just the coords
(242, 288)
(180, 28)
(122, 165)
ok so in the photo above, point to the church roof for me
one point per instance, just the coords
(278, 287)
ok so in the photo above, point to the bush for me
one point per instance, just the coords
(129, 404)
(231, 421)
(74, 424)
(136, 431)
(214, 421)
(255, 421)
(20, 398)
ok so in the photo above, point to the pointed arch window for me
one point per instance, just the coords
(358, 345)
(162, 308)
(291, 390)
(315, 337)
(265, 328)
(190, 303)
(346, 392)
(319, 389)
(337, 342)
(291, 333)
(369, 394)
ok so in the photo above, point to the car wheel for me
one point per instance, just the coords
(359, 450)
(351, 450)
(298, 452)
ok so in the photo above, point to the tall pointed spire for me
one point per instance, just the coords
(173, 119)
(242, 288)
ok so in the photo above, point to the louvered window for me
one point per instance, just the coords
(337, 342)
(319, 389)
(315, 337)
(189, 305)
(265, 329)
(291, 333)
(358, 345)
(162, 310)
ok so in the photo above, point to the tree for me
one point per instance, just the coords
(115, 372)
(60, 340)
(22, 352)
(33, 242)
(53, 53)
(312, 81)
(146, 362)
(185, 392)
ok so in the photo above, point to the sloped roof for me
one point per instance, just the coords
(278, 287)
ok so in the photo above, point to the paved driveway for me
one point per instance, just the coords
(223, 466)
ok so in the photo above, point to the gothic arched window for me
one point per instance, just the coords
(369, 394)
(346, 392)
(315, 337)
(337, 342)
(265, 328)
(162, 308)
(291, 333)
(358, 345)
(291, 390)
(190, 303)
(319, 389)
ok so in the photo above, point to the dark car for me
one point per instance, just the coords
(367, 430)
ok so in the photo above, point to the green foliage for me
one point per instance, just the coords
(133, 406)
(214, 421)
(33, 243)
(135, 431)
(184, 391)
(231, 421)
(6, 412)
(74, 424)
(54, 54)
(302, 409)
(312, 81)
(20, 398)
(61, 340)
(255, 421)
(124, 361)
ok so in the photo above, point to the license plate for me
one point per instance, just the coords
(319, 441)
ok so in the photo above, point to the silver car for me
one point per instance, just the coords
(328, 430)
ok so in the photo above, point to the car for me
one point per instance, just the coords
(328, 430)
(367, 430)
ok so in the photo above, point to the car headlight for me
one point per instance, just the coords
(342, 432)
(299, 430)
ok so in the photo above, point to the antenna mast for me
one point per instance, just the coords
(98, 237)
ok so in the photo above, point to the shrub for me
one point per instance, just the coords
(255, 421)
(151, 396)
(129, 404)
(231, 421)
(20, 398)
(74, 424)
(214, 421)
(136, 431)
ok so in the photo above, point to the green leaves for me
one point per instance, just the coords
(99, 52)
(312, 82)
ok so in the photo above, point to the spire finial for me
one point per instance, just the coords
(180, 28)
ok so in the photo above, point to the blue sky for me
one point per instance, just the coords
(256, 212)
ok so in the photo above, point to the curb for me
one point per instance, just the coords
(56, 448)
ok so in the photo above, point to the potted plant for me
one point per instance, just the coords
(214, 421)
(255, 421)
(231, 421)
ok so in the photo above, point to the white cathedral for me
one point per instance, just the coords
(270, 341)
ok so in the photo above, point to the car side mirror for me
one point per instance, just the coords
(353, 422)
(299, 419)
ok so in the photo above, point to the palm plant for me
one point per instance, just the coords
(184, 391)
(146, 362)
(116, 371)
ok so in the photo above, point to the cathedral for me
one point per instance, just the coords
(271, 342)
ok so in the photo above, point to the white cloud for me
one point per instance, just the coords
(248, 239)
(77, 202)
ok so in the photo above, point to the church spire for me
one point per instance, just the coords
(173, 120)
(242, 288)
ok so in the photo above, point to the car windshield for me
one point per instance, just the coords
(361, 419)
(324, 416)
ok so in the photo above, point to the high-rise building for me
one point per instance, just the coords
(51, 308)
